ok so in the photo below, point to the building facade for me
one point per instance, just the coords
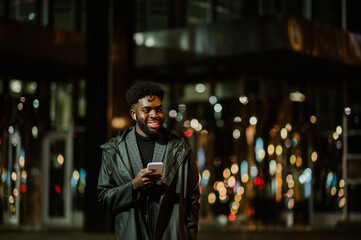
(265, 92)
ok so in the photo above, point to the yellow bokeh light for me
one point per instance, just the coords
(226, 173)
(314, 156)
(236, 133)
(21, 161)
(220, 186)
(24, 175)
(279, 150)
(14, 176)
(240, 190)
(12, 208)
(244, 178)
(342, 183)
(11, 199)
(313, 119)
(333, 191)
(284, 133)
(335, 135)
(271, 149)
(293, 159)
(234, 168)
(234, 211)
(211, 198)
(291, 184)
(288, 127)
(238, 197)
(223, 192)
(15, 192)
(119, 122)
(253, 120)
(60, 159)
(235, 205)
(339, 130)
(76, 175)
(231, 181)
(261, 154)
(289, 178)
(194, 123)
(342, 202)
(340, 193)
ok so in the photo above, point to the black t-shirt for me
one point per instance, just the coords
(146, 148)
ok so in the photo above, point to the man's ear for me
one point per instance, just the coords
(133, 114)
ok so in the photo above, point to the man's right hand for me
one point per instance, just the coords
(145, 179)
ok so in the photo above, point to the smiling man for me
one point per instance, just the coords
(147, 204)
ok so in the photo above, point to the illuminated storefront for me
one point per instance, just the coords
(266, 97)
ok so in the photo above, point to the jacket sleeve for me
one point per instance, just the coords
(193, 194)
(114, 194)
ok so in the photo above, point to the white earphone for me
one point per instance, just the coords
(135, 117)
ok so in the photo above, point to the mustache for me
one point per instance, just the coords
(153, 119)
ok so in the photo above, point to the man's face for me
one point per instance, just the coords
(149, 114)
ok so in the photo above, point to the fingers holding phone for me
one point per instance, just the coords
(148, 176)
(155, 170)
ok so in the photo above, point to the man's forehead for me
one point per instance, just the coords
(149, 100)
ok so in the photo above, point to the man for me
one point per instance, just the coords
(149, 205)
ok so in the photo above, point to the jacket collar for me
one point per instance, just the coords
(133, 151)
(167, 146)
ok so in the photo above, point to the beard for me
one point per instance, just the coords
(143, 126)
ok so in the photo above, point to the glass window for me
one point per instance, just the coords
(61, 109)
(228, 89)
(56, 185)
(197, 92)
(199, 11)
(152, 15)
(327, 108)
(64, 14)
(159, 14)
(262, 135)
(23, 10)
(228, 10)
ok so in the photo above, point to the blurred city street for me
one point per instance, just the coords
(207, 233)
(262, 97)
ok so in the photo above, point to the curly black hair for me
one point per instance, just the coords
(142, 89)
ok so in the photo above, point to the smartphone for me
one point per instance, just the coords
(156, 167)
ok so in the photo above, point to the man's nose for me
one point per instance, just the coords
(153, 113)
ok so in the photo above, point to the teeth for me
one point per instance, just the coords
(154, 124)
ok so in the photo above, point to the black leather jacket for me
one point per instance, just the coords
(177, 200)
